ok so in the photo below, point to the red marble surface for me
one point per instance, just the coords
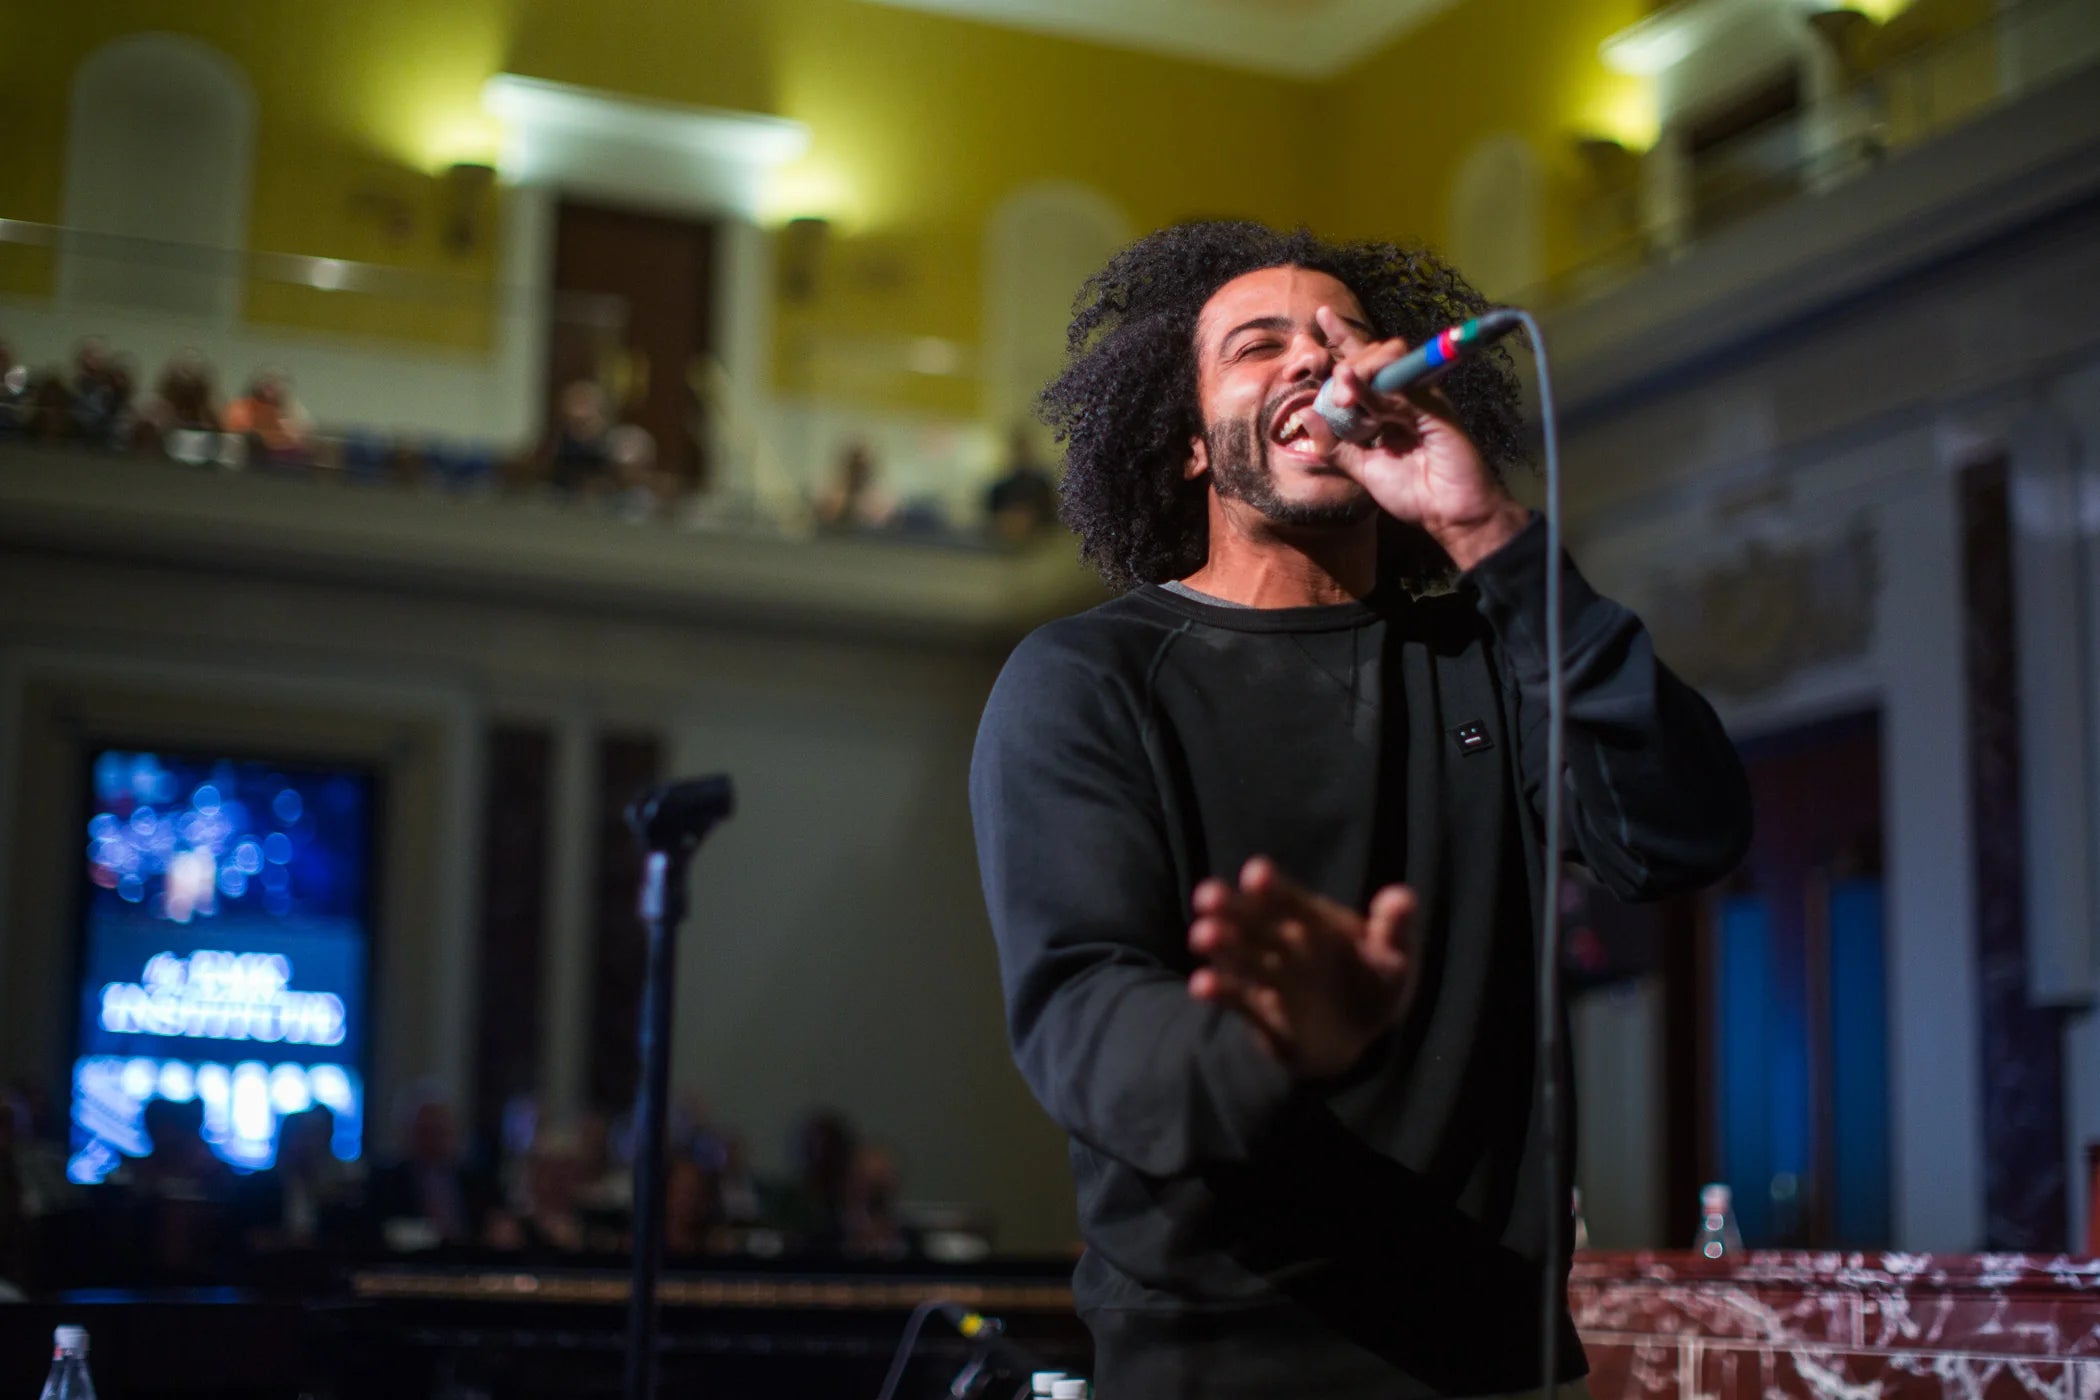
(1839, 1326)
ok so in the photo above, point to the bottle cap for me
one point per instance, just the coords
(1714, 1196)
(70, 1339)
(1039, 1382)
(1068, 1389)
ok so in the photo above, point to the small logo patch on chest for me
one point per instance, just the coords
(1472, 738)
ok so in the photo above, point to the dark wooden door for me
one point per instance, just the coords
(634, 310)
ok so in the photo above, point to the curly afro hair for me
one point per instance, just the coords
(1125, 408)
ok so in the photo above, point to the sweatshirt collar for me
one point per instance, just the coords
(1321, 617)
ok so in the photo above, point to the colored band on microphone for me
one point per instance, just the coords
(1444, 348)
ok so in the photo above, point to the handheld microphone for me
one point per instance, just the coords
(1418, 366)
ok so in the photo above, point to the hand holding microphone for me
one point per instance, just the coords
(1404, 447)
(1419, 366)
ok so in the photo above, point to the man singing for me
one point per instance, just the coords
(1258, 836)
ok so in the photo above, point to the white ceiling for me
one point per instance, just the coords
(1286, 38)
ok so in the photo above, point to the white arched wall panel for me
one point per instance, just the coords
(159, 148)
(1492, 228)
(1040, 244)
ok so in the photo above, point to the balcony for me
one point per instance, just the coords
(408, 448)
(1886, 163)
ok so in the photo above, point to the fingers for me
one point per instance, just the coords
(1389, 926)
(1270, 923)
(1258, 954)
(1312, 978)
(1226, 924)
(1278, 897)
(1343, 337)
(1260, 908)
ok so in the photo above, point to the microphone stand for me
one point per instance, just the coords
(671, 822)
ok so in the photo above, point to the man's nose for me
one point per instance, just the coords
(1311, 357)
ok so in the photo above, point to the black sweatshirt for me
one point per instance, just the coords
(1380, 1234)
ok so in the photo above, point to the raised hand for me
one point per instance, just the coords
(1319, 981)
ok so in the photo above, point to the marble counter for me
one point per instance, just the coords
(1839, 1326)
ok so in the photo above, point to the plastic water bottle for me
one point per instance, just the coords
(69, 1372)
(1718, 1237)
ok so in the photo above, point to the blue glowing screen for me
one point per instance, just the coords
(226, 947)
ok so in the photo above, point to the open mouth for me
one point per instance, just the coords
(1300, 432)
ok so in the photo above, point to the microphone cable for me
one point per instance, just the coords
(1549, 1054)
(906, 1345)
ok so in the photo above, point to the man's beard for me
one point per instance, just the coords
(1240, 471)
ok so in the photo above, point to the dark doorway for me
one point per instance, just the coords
(634, 311)
(1777, 1053)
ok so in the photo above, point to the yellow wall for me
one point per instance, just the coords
(1408, 116)
(938, 121)
(346, 95)
(920, 125)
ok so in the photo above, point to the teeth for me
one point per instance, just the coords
(1293, 426)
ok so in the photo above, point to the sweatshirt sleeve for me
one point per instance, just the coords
(1079, 881)
(1657, 802)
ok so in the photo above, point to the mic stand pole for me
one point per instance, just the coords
(671, 822)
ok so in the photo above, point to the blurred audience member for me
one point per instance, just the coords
(814, 1212)
(692, 1208)
(179, 1194)
(34, 1193)
(272, 420)
(577, 451)
(40, 1159)
(554, 1179)
(553, 1214)
(17, 395)
(1023, 501)
(100, 400)
(607, 1178)
(631, 452)
(308, 1198)
(515, 1131)
(429, 1197)
(853, 499)
(922, 515)
(50, 407)
(869, 1222)
(180, 417)
(178, 1161)
(728, 1156)
(405, 464)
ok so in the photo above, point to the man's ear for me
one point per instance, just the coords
(1197, 463)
